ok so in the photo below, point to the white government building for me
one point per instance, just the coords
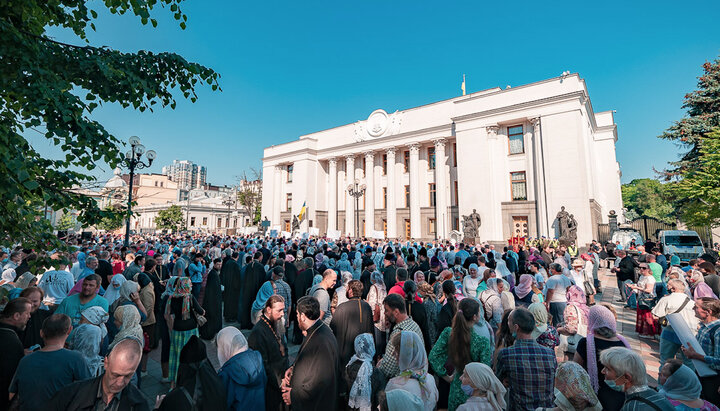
(516, 155)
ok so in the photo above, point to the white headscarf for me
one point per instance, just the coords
(131, 328)
(113, 291)
(230, 342)
(96, 315)
(401, 400)
(485, 380)
(361, 391)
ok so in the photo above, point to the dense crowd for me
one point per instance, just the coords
(380, 325)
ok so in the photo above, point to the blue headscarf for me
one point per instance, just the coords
(682, 385)
(81, 260)
(266, 291)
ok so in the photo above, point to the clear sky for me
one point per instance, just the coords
(292, 68)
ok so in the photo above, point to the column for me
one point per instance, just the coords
(332, 194)
(415, 231)
(539, 177)
(390, 206)
(277, 194)
(349, 200)
(369, 193)
(440, 197)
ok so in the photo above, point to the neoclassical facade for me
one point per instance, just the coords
(514, 156)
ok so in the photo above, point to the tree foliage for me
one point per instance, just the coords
(170, 218)
(66, 222)
(113, 219)
(52, 88)
(648, 197)
(250, 197)
(698, 191)
(703, 115)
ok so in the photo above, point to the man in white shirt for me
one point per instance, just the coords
(557, 286)
(57, 283)
(675, 302)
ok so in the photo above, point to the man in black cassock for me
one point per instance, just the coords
(389, 271)
(303, 282)
(212, 303)
(311, 383)
(351, 318)
(254, 279)
(265, 338)
(230, 274)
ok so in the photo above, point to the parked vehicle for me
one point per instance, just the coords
(685, 244)
(625, 236)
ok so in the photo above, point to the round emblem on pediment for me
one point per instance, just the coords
(377, 123)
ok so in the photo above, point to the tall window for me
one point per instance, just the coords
(363, 167)
(219, 224)
(431, 158)
(288, 202)
(457, 202)
(384, 164)
(456, 223)
(192, 221)
(406, 160)
(289, 173)
(432, 194)
(455, 154)
(516, 141)
(384, 197)
(204, 221)
(407, 196)
(518, 186)
(385, 227)
(431, 226)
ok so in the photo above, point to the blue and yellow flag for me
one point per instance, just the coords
(301, 216)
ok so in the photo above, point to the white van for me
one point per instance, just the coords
(683, 243)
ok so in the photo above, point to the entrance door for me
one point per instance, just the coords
(287, 226)
(407, 229)
(520, 226)
(385, 227)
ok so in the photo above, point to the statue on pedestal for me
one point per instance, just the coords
(471, 226)
(295, 224)
(567, 227)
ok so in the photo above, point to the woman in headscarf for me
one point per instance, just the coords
(129, 295)
(87, 338)
(180, 314)
(340, 295)
(432, 309)
(241, 370)
(601, 334)
(576, 321)
(357, 265)
(147, 298)
(459, 345)
(198, 385)
(413, 365)
(127, 320)
(681, 386)
(487, 393)
(502, 288)
(544, 333)
(523, 292)
(401, 400)
(25, 280)
(419, 277)
(504, 273)
(361, 377)
(471, 281)
(573, 391)
(375, 299)
(343, 264)
(79, 265)
(113, 291)
(492, 302)
(699, 288)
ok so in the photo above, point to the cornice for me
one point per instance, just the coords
(520, 106)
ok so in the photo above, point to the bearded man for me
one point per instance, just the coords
(266, 338)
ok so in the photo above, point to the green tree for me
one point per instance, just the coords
(170, 218)
(114, 218)
(649, 197)
(698, 189)
(67, 221)
(703, 115)
(52, 88)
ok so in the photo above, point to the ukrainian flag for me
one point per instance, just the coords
(301, 216)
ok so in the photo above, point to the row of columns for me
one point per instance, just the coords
(391, 209)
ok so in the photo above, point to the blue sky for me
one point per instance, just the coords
(292, 68)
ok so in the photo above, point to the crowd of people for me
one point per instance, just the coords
(380, 325)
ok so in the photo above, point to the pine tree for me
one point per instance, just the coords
(703, 115)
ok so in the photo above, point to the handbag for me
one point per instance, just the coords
(663, 321)
(645, 301)
(377, 308)
(589, 288)
(200, 319)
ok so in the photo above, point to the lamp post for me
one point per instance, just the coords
(133, 160)
(187, 209)
(356, 190)
(229, 202)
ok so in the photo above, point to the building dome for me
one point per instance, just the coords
(116, 181)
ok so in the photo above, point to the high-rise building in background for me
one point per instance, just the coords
(186, 173)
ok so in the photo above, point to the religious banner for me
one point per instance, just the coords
(378, 235)
(314, 231)
(333, 234)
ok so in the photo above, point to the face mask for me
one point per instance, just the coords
(614, 386)
(468, 390)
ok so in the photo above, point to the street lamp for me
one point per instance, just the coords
(356, 190)
(187, 209)
(133, 160)
(229, 202)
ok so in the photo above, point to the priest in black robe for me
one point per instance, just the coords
(254, 279)
(303, 282)
(311, 383)
(212, 303)
(351, 318)
(230, 274)
(266, 338)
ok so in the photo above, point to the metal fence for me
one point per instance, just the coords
(649, 228)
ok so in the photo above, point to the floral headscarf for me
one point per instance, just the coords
(182, 289)
(572, 382)
(483, 378)
(131, 329)
(576, 296)
(412, 360)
